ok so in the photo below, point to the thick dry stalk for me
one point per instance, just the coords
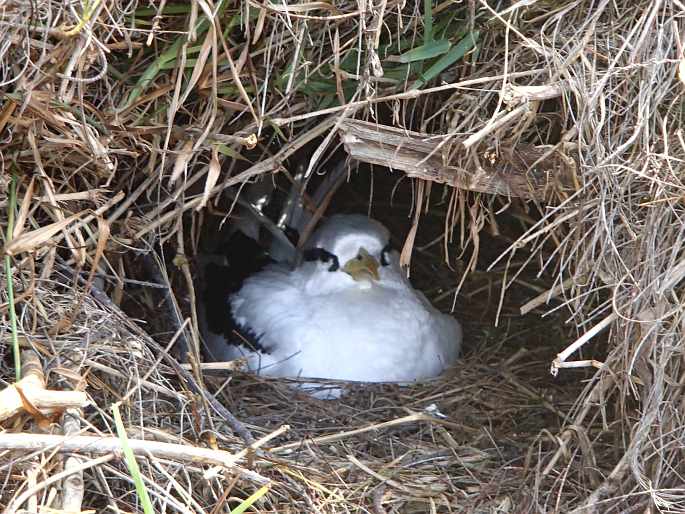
(83, 444)
(30, 393)
(512, 172)
(73, 487)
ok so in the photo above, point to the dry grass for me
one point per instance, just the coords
(465, 441)
(128, 125)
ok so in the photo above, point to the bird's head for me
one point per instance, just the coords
(352, 244)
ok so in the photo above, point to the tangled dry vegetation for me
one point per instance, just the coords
(125, 125)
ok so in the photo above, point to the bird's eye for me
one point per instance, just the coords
(359, 257)
(321, 255)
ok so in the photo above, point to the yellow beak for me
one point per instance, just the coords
(364, 265)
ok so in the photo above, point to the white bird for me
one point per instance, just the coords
(347, 312)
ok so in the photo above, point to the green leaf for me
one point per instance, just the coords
(247, 503)
(457, 52)
(230, 152)
(131, 462)
(427, 51)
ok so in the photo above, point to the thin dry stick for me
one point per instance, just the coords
(591, 400)
(385, 480)
(152, 386)
(89, 196)
(408, 95)
(493, 125)
(268, 165)
(412, 418)
(31, 482)
(105, 445)
(559, 362)
(324, 144)
(140, 383)
(262, 441)
(232, 421)
(89, 218)
(545, 297)
(18, 502)
(234, 365)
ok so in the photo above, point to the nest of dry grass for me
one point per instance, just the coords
(125, 126)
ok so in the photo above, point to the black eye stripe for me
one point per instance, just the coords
(385, 261)
(322, 255)
(319, 254)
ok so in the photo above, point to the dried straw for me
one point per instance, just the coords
(121, 121)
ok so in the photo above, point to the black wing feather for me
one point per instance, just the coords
(245, 258)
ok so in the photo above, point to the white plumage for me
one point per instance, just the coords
(348, 313)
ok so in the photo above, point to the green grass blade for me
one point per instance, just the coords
(171, 65)
(427, 51)
(457, 52)
(169, 55)
(444, 27)
(131, 462)
(247, 502)
(230, 152)
(427, 21)
(152, 71)
(404, 72)
(10, 282)
(168, 10)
